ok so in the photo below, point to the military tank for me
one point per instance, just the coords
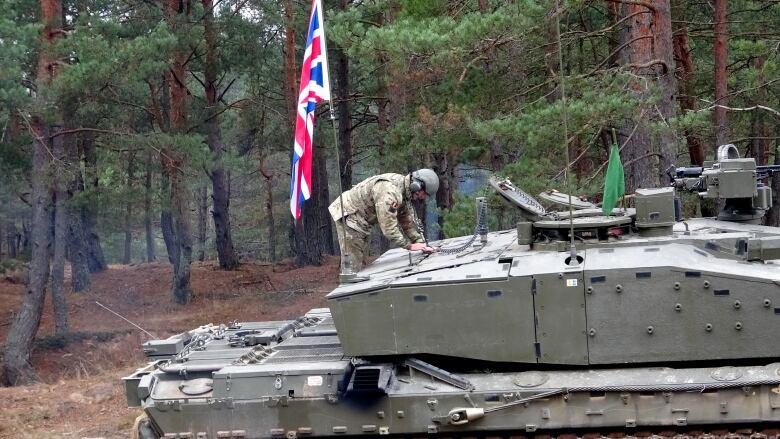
(646, 324)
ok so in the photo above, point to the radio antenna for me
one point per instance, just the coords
(128, 321)
(573, 250)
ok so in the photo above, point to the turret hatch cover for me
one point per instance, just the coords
(517, 196)
(562, 200)
(198, 386)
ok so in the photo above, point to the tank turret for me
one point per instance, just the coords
(737, 182)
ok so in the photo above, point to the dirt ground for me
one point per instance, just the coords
(80, 393)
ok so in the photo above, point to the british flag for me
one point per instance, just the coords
(315, 87)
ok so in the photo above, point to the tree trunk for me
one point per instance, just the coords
(269, 210)
(684, 64)
(78, 246)
(80, 277)
(60, 237)
(649, 53)
(313, 232)
(151, 253)
(128, 248)
(221, 215)
(322, 194)
(720, 58)
(290, 93)
(173, 164)
(445, 196)
(11, 234)
(344, 112)
(18, 346)
(97, 262)
(166, 220)
(26, 239)
(667, 106)
(219, 184)
(290, 97)
(615, 35)
(551, 63)
(181, 290)
(307, 251)
(760, 142)
(203, 212)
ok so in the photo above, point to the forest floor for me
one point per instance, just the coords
(80, 393)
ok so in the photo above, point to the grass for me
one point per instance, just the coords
(8, 265)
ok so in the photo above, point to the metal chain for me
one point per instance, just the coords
(480, 227)
(417, 223)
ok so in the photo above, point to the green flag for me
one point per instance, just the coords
(614, 182)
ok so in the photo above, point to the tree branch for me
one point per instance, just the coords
(754, 107)
(616, 51)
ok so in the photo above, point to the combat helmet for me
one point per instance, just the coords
(425, 179)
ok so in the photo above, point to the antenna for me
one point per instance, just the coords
(128, 321)
(573, 250)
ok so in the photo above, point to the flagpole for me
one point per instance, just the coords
(346, 272)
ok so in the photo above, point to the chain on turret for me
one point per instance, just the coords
(480, 229)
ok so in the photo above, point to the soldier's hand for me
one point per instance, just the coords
(419, 246)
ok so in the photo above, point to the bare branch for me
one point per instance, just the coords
(754, 107)
(470, 63)
(647, 64)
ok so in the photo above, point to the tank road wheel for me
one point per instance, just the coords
(142, 429)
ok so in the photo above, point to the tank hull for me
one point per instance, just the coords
(302, 385)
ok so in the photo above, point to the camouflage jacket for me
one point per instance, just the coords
(385, 200)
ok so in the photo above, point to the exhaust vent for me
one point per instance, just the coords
(370, 380)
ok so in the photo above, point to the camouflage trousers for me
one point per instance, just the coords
(354, 243)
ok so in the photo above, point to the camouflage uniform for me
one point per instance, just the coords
(383, 199)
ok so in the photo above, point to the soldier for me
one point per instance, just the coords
(384, 200)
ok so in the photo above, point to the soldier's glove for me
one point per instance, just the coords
(420, 246)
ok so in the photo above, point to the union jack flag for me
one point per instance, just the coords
(315, 87)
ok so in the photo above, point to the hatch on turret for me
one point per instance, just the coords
(561, 200)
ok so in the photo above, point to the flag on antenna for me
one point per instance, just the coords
(614, 181)
(314, 88)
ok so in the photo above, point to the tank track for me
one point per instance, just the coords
(142, 430)
(719, 433)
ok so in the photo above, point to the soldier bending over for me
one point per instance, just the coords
(385, 200)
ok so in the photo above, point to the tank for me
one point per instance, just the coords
(573, 322)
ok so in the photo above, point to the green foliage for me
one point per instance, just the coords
(19, 36)
(8, 265)
(460, 220)
(104, 53)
